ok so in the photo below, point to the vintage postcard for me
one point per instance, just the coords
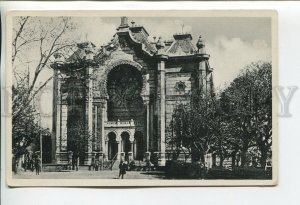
(141, 98)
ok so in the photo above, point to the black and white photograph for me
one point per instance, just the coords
(143, 98)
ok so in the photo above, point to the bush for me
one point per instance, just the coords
(182, 170)
(238, 173)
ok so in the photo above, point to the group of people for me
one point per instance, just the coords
(26, 162)
(96, 166)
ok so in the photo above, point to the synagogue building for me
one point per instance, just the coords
(116, 101)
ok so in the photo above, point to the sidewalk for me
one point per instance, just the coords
(82, 174)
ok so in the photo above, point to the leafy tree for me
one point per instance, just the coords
(192, 129)
(247, 102)
(238, 119)
(262, 100)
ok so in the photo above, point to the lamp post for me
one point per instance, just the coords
(41, 141)
(41, 149)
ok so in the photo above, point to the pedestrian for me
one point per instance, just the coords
(201, 170)
(96, 166)
(31, 165)
(100, 165)
(37, 165)
(122, 167)
(14, 163)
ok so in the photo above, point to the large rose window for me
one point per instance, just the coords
(124, 85)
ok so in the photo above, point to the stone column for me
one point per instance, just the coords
(131, 146)
(100, 159)
(119, 150)
(57, 115)
(161, 108)
(64, 128)
(202, 76)
(134, 149)
(97, 141)
(130, 154)
(151, 117)
(147, 124)
(103, 147)
(89, 114)
(106, 151)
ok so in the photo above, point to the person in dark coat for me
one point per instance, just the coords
(122, 167)
(201, 170)
(37, 165)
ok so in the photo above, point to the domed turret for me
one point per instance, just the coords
(160, 45)
(201, 46)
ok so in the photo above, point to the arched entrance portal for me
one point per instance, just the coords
(138, 146)
(126, 146)
(112, 145)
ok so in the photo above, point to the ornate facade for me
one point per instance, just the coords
(117, 101)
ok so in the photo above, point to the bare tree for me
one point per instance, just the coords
(35, 41)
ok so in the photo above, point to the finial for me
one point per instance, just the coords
(132, 23)
(160, 44)
(124, 21)
(200, 45)
(89, 51)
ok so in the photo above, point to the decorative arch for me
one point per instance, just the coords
(125, 131)
(111, 65)
(111, 131)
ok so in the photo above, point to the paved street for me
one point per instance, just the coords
(82, 174)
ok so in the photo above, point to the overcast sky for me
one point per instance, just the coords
(232, 42)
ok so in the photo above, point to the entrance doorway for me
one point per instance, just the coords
(138, 146)
(126, 147)
(47, 149)
(112, 145)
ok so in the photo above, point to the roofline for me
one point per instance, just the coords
(195, 56)
(128, 32)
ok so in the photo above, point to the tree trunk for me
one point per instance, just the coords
(214, 160)
(243, 157)
(221, 160)
(263, 158)
(233, 159)
(202, 158)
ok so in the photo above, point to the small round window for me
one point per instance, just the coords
(180, 86)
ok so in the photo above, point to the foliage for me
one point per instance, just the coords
(192, 132)
(25, 128)
(247, 104)
(229, 124)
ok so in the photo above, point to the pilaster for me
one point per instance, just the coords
(89, 115)
(161, 106)
(103, 119)
(119, 150)
(96, 135)
(64, 127)
(57, 114)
